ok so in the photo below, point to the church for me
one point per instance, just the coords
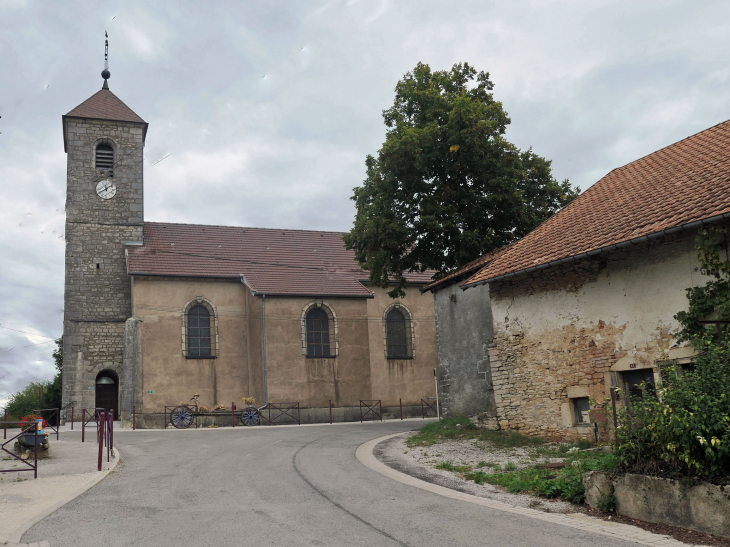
(155, 313)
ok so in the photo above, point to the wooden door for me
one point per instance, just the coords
(107, 398)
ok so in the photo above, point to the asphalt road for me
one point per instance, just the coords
(285, 486)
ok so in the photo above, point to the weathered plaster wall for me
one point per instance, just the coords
(170, 378)
(408, 379)
(463, 333)
(294, 377)
(360, 370)
(559, 331)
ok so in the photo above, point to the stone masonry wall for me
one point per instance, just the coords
(560, 330)
(97, 295)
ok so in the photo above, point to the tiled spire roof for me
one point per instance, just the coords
(104, 105)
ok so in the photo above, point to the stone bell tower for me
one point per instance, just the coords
(103, 139)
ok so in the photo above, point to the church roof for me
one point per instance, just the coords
(104, 105)
(272, 262)
(682, 185)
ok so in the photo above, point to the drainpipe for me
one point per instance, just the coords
(263, 336)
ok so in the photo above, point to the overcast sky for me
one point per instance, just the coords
(268, 109)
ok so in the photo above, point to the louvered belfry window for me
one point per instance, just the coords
(397, 336)
(198, 332)
(104, 157)
(318, 333)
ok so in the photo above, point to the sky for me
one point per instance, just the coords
(264, 112)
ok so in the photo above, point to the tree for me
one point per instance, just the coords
(29, 398)
(446, 186)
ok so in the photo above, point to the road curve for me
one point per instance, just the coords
(278, 486)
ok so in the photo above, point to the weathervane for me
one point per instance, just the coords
(105, 73)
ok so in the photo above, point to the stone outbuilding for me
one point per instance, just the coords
(587, 300)
(464, 332)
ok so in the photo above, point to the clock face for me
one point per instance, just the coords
(106, 189)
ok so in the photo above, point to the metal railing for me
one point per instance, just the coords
(23, 431)
(427, 408)
(373, 408)
(284, 413)
(86, 417)
(54, 413)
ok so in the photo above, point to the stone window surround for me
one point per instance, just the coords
(333, 328)
(410, 331)
(215, 346)
(104, 140)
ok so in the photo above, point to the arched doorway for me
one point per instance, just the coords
(107, 392)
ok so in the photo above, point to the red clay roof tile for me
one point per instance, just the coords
(104, 105)
(276, 262)
(682, 183)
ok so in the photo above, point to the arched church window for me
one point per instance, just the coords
(104, 158)
(199, 340)
(318, 333)
(398, 333)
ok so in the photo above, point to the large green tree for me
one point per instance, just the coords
(446, 186)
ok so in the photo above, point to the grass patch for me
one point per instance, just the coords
(563, 483)
(462, 428)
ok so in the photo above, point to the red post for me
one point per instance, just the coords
(233, 416)
(101, 439)
(401, 408)
(330, 411)
(35, 471)
(83, 424)
(5, 426)
(72, 418)
(134, 417)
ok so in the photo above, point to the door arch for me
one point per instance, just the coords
(107, 391)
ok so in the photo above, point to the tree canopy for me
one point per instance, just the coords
(446, 186)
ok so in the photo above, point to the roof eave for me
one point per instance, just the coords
(600, 250)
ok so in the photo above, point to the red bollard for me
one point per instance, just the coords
(83, 424)
(72, 418)
(330, 411)
(134, 417)
(233, 416)
(101, 438)
(401, 408)
(35, 471)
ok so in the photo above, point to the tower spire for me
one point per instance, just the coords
(105, 73)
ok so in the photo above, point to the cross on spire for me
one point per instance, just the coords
(105, 73)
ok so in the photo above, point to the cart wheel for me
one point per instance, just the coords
(250, 416)
(182, 417)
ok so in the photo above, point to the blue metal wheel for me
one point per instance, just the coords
(182, 417)
(250, 416)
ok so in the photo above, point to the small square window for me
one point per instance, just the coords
(581, 407)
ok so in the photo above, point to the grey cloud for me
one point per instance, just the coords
(268, 109)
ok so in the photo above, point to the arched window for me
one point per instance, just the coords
(398, 333)
(318, 333)
(104, 158)
(199, 332)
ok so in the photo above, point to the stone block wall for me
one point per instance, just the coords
(97, 293)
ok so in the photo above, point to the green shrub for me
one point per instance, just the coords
(686, 430)
(462, 428)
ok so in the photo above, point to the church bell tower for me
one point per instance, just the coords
(104, 140)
